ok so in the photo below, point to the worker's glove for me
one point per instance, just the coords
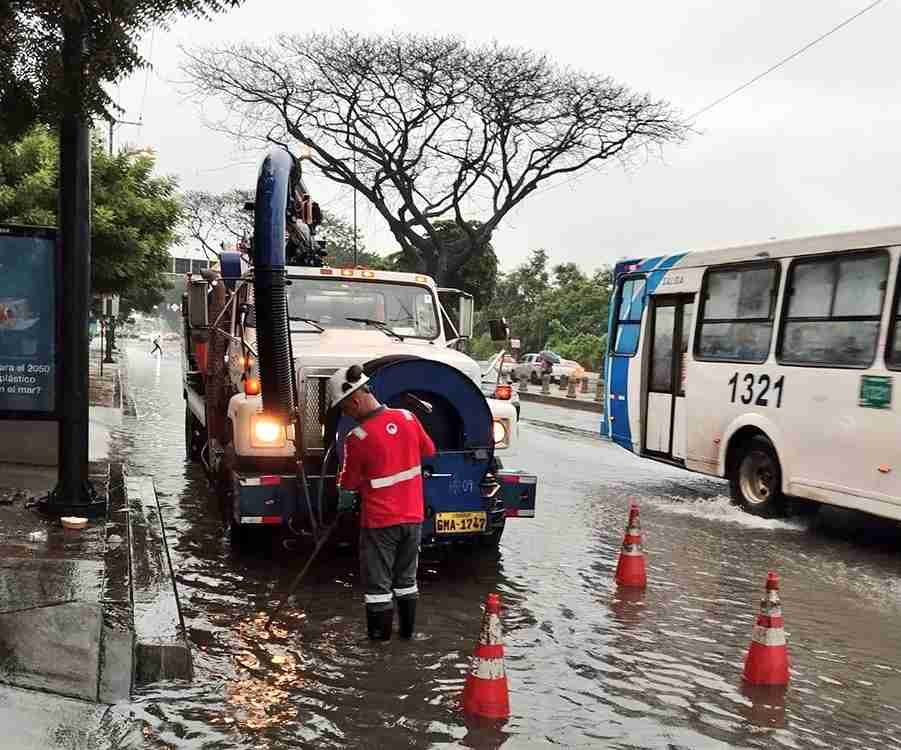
(347, 501)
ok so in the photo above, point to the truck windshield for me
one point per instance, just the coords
(407, 309)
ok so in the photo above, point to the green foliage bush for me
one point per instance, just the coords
(562, 309)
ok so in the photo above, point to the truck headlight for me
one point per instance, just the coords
(266, 432)
(501, 432)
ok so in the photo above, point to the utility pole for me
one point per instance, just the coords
(112, 123)
(355, 210)
(74, 494)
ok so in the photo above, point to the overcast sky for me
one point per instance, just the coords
(812, 148)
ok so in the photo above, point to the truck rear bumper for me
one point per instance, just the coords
(273, 499)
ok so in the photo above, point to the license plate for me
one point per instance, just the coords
(460, 523)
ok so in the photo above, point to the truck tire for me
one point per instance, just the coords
(239, 536)
(195, 436)
(491, 541)
(755, 478)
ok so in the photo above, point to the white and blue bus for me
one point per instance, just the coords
(773, 365)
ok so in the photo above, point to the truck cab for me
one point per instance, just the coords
(338, 317)
(267, 328)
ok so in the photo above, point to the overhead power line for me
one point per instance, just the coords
(147, 75)
(754, 80)
(784, 60)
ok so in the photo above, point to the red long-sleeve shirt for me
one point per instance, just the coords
(382, 461)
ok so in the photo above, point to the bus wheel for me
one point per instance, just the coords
(756, 478)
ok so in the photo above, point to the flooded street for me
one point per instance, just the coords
(587, 666)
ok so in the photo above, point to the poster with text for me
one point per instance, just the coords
(27, 319)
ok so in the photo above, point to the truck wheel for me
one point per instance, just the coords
(491, 541)
(239, 536)
(195, 436)
(755, 479)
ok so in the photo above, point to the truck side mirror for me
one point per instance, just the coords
(197, 309)
(467, 311)
(498, 330)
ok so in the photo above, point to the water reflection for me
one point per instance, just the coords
(588, 665)
(765, 705)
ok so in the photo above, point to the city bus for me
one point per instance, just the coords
(772, 365)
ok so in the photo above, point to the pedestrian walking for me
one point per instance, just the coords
(383, 463)
(156, 346)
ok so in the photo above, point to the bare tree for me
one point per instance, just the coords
(213, 218)
(427, 127)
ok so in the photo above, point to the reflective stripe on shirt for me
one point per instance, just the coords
(401, 476)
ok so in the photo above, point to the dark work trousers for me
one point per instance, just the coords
(389, 558)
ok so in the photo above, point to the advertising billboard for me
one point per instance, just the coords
(29, 261)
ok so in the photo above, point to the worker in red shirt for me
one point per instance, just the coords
(383, 463)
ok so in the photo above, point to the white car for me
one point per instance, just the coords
(530, 366)
(567, 368)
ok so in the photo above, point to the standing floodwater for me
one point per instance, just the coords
(587, 666)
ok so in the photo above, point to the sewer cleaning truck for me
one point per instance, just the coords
(266, 327)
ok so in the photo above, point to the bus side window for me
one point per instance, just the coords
(737, 312)
(628, 321)
(893, 357)
(833, 309)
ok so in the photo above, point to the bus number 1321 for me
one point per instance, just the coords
(748, 385)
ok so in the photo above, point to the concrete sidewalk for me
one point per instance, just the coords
(68, 598)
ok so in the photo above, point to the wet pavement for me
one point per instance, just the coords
(587, 665)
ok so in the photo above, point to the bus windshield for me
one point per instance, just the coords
(408, 310)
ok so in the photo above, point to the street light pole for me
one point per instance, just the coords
(355, 210)
(74, 493)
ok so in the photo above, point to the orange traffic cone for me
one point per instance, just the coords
(630, 568)
(767, 660)
(485, 693)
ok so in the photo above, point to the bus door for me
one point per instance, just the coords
(664, 422)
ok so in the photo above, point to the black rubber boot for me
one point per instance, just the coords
(378, 624)
(406, 614)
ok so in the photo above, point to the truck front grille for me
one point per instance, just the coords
(313, 406)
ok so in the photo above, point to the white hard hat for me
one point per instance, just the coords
(345, 382)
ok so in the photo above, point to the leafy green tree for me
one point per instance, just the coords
(478, 275)
(518, 296)
(31, 31)
(563, 309)
(339, 243)
(134, 213)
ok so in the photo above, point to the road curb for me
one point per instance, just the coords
(161, 646)
(566, 403)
